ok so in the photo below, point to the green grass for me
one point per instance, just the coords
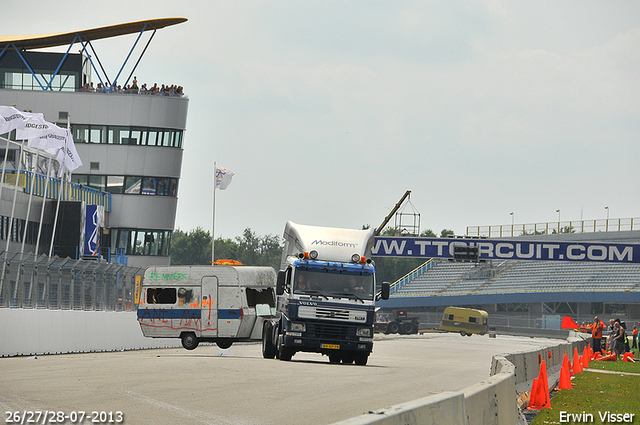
(595, 392)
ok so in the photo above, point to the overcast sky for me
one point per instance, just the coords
(328, 111)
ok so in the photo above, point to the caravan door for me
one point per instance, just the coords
(229, 310)
(209, 306)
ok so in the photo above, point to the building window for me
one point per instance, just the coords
(115, 184)
(122, 135)
(141, 242)
(130, 185)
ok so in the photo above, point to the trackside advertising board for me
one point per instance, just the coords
(493, 249)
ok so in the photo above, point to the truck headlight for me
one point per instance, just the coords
(363, 332)
(298, 327)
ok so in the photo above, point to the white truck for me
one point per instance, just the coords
(326, 295)
(221, 304)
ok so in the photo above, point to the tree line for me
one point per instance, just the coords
(193, 247)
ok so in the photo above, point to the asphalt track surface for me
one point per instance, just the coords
(237, 386)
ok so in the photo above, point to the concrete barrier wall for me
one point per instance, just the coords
(490, 402)
(31, 331)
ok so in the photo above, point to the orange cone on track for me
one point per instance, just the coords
(577, 367)
(565, 362)
(533, 397)
(540, 398)
(628, 357)
(585, 357)
(610, 357)
(565, 375)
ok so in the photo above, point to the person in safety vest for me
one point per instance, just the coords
(596, 334)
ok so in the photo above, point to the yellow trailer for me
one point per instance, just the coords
(467, 321)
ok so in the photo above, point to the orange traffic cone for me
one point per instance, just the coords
(628, 357)
(565, 375)
(565, 362)
(540, 398)
(585, 357)
(597, 356)
(577, 368)
(533, 397)
(609, 357)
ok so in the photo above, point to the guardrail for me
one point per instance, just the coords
(490, 402)
(576, 226)
(395, 286)
(43, 282)
(70, 191)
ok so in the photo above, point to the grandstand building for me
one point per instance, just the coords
(130, 141)
(527, 293)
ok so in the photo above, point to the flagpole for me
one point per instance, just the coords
(213, 227)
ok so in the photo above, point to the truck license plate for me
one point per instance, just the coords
(331, 346)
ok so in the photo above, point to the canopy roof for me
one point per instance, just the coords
(42, 41)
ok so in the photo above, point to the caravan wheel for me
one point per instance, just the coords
(224, 343)
(189, 340)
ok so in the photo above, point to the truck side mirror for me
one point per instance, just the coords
(386, 288)
(280, 282)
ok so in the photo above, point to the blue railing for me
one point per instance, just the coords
(70, 191)
(411, 275)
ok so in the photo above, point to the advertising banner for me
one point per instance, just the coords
(493, 249)
(94, 221)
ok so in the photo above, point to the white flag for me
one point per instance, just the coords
(68, 156)
(10, 119)
(40, 133)
(223, 178)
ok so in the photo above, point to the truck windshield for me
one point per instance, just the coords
(329, 284)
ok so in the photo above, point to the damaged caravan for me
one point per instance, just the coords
(221, 304)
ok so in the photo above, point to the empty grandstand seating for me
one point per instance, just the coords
(449, 278)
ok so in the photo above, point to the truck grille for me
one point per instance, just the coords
(331, 313)
(329, 331)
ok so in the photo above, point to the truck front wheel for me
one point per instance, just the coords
(189, 340)
(268, 349)
(284, 353)
(361, 359)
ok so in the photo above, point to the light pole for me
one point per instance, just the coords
(512, 221)
(558, 211)
(606, 225)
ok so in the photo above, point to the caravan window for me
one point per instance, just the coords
(161, 295)
(260, 296)
(473, 320)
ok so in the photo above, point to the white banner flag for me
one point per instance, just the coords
(68, 156)
(10, 119)
(40, 133)
(223, 178)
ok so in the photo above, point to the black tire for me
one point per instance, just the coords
(189, 340)
(284, 353)
(224, 343)
(469, 334)
(268, 349)
(348, 359)
(335, 358)
(410, 328)
(463, 333)
(361, 359)
(393, 328)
